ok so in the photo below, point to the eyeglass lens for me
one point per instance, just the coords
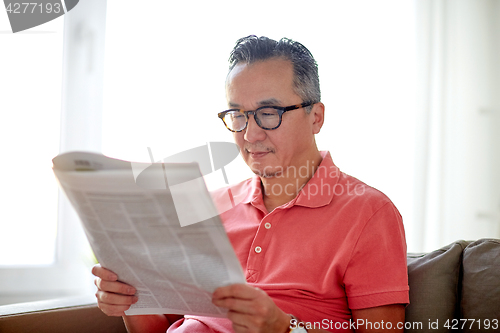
(266, 118)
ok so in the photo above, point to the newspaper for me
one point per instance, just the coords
(132, 221)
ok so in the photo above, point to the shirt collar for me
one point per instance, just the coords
(320, 189)
(255, 192)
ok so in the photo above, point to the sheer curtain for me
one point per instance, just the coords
(457, 168)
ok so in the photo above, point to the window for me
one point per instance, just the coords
(44, 253)
(31, 101)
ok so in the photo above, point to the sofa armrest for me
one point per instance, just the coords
(79, 314)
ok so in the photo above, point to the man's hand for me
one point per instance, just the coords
(251, 309)
(113, 297)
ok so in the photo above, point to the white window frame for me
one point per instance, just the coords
(83, 61)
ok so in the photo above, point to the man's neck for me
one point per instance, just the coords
(284, 187)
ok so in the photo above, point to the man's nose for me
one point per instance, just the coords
(253, 132)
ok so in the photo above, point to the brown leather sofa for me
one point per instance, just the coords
(453, 289)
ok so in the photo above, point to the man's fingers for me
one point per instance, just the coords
(114, 287)
(243, 299)
(236, 305)
(238, 290)
(104, 273)
(246, 320)
(250, 309)
(113, 304)
(115, 299)
(113, 310)
(237, 324)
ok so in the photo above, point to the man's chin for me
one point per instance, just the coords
(263, 168)
(267, 173)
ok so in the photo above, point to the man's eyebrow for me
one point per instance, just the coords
(270, 101)
(266, 102)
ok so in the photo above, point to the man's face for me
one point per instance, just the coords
(270, 152)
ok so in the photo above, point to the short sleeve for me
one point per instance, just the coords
(377, 273)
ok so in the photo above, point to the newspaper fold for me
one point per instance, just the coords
(159, 231)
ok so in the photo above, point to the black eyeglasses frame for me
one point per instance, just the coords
(280, 109)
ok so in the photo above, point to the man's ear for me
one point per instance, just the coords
(317, 117)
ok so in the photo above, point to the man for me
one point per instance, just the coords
(320, 249)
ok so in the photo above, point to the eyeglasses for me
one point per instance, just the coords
(267, 117)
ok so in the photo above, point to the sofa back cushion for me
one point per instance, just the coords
(434, 288)
(480, 301)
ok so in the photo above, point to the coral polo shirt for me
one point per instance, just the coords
(337, 246)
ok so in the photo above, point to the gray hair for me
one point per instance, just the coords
(305, 69)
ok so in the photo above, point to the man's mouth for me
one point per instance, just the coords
(258, 153)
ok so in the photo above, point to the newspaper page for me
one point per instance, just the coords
(133, 226)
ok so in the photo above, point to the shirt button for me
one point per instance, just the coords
(258, 249)
(267, 225)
